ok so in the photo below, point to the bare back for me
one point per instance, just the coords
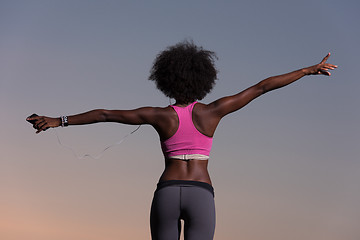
(167, 126)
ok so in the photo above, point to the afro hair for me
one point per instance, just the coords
(184, 72)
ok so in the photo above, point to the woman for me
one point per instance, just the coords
(186, 73)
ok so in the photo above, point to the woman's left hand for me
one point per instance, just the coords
(322, 68)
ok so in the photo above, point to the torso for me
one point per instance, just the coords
(195, 170)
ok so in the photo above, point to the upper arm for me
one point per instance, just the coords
(229, 104)
(143, 115)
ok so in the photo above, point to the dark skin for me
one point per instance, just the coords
(206, 118)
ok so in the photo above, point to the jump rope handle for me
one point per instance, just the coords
(33, 121)
(32, 115)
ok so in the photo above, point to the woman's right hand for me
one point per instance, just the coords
(42, 123)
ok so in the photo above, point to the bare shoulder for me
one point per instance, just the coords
(162, 111)
(153, 110)
(163, 114)
(166, 121)
(202, 108)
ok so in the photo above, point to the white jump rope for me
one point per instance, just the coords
(101, 153)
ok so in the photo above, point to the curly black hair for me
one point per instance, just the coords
(184, 72)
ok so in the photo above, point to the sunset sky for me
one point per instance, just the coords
(287, 166)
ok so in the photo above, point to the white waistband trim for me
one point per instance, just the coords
(187, 157)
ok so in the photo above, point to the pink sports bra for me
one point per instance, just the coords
(187, 143)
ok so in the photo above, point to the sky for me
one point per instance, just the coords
(287, 166)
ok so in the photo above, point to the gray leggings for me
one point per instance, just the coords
(190, 201)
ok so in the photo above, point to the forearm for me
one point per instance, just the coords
(279, 81)
(89, 117)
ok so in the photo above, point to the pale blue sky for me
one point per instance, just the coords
(286, 166)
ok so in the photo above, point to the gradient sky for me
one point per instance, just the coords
(287, 166)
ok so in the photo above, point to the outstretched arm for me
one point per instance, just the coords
(144, 115)
(226, 105)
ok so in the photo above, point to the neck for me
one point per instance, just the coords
(181, 104)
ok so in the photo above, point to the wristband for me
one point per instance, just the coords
(64, 121)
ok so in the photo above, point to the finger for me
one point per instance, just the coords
(38, 123)
(325, 58)
(33, 117)
(42, 125)
(326, 68)
(32, 120)
(324, 72)
(41, 130)
(331, 66)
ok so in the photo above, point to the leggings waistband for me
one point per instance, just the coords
(167, 183)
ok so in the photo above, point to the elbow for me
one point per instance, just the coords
(102, 115)
(262, 87)
(267, 85)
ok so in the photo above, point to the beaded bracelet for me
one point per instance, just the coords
(64, 121)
